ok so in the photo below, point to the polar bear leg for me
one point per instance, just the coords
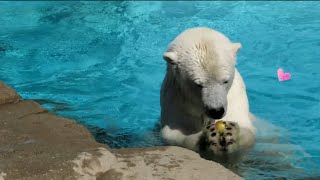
(176, 137)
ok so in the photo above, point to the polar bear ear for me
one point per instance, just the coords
(170, 57)
(236, 47)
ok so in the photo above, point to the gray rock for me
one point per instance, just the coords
(7, 95)
(167, 163)
(36, 144)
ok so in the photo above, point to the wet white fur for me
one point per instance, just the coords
(209, 57)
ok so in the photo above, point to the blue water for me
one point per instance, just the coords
(100, 63)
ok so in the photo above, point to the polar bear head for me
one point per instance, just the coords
(202, 61)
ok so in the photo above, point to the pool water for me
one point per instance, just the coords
(100, 63)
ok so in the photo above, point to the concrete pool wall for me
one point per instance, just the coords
(37, 144)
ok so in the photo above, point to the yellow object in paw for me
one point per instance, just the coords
(220, 127)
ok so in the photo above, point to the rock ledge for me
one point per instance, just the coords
(36, 144)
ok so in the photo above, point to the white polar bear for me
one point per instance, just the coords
(202, 84)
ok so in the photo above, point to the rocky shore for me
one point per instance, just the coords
(37, 144)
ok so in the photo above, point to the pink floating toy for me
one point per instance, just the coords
(282, 76)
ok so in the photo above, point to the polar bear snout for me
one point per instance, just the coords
(214, 99)
(215, 113)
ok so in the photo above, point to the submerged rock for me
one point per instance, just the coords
(36, 144)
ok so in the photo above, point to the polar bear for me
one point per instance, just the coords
(201, 87)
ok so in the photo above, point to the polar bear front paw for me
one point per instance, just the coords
(221, 137)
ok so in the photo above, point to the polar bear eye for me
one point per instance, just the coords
(199, 85)
(225, 82)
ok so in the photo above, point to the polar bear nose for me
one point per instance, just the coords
(215, 113)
